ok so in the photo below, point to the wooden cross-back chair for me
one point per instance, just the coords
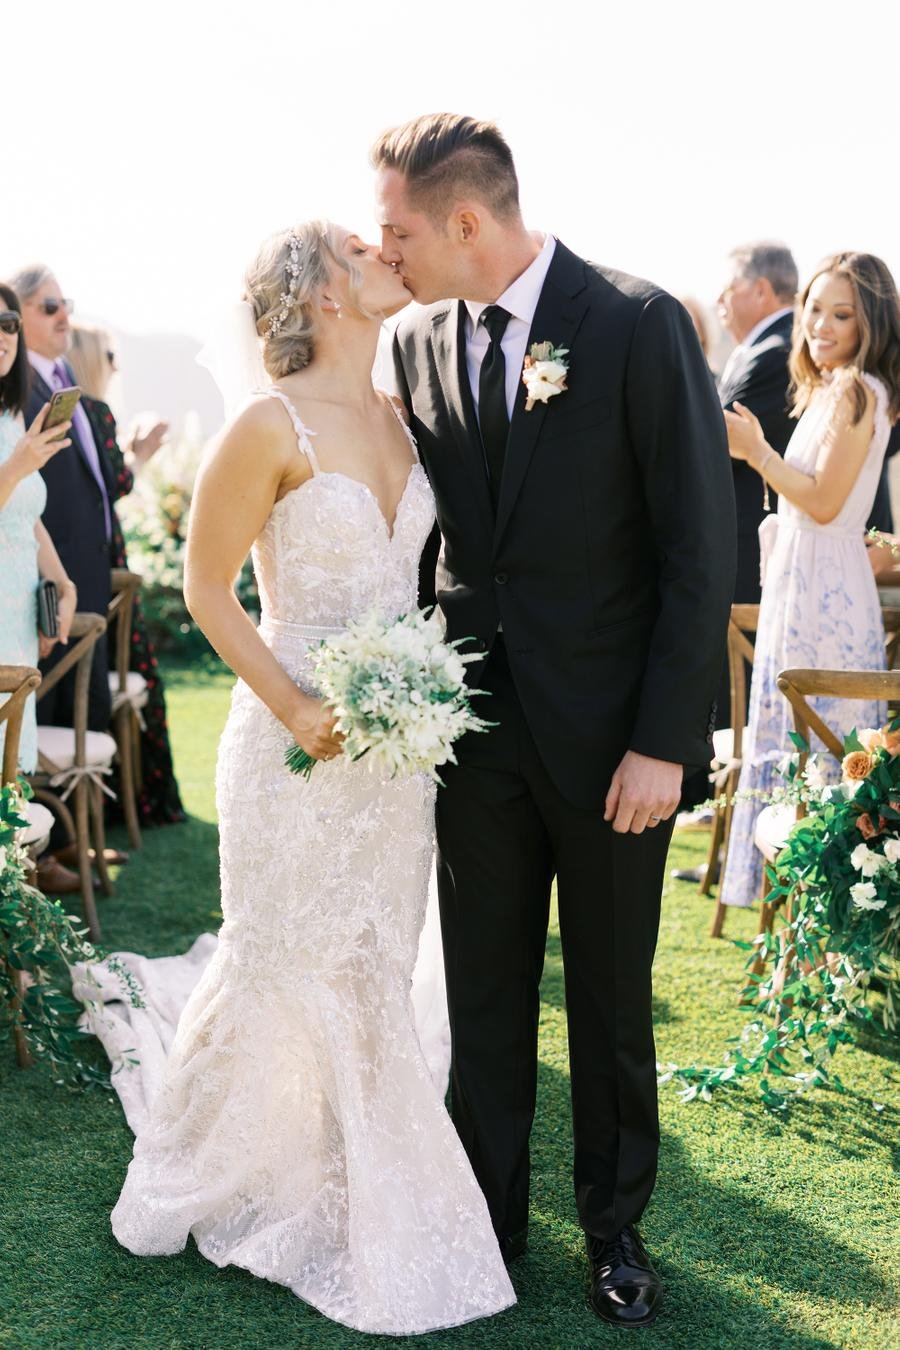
(17, 682)
(798, 686)
(891, 616)
(128, 691)
(728, 747)
(73, 759)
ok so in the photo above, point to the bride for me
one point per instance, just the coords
(297, 1132)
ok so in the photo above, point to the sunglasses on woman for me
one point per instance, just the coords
(51, 307)
(10, 322)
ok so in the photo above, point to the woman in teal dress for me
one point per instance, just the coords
(26, 548)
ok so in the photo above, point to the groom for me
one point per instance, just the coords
(589, 548)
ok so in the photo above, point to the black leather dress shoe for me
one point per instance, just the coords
(511, 1248)
(625, 1289)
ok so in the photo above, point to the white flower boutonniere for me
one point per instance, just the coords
(544, 373)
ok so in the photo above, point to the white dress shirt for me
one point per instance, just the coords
(520, 301)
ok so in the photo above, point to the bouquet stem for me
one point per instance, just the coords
(298, 761)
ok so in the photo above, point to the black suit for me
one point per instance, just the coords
(759, 380)
(76, 522)
(610, 564)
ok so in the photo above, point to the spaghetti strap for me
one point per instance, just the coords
(303, 433)
(404, 424)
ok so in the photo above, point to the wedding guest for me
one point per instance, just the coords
(819, 606)
(700, 320)
(756, 307)
(25, 546)
(79, 482)
(93, 361)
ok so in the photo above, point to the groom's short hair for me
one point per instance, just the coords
(445, 157)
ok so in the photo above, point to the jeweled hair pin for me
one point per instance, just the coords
(288, 297)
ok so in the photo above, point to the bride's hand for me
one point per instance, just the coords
(314, 730)
(745, 435)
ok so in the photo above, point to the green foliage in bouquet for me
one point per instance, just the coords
(38, 942)
(840, 873)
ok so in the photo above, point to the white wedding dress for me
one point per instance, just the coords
(296, 1130)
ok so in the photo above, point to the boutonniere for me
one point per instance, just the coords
(544, 373)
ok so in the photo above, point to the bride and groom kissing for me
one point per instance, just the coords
(584, 519)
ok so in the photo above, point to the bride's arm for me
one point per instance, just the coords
(236, 488)
(844, 448)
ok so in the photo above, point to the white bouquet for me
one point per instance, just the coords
(399, 694)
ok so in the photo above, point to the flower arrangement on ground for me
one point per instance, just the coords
(839, 874)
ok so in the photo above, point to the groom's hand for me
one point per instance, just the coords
(643, 792)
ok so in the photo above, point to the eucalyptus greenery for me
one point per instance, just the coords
(840, 873)
(39, 941)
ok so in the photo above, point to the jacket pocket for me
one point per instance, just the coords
(569, 421)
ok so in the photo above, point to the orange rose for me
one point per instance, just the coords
(865, 826)
(892, 742)
(857, 765)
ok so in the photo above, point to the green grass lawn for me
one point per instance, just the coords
(767, 1233)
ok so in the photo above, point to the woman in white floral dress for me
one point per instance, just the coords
(296, 1131)
(819, 606)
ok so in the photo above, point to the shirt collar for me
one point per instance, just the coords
(43, 365)
(520, 298)
(757, 332)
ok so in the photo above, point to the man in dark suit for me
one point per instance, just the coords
(78, 514)
(589, 548)
(756, 307)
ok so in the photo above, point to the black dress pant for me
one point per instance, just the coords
(504, 831)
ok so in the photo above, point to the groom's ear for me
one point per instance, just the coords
(468, 226)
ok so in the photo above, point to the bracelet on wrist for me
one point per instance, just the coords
(767, 506)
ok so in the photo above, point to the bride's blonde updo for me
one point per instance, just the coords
(283, 285)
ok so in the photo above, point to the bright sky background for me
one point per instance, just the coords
(150, 148)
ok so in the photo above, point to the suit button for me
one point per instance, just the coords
(501, 578)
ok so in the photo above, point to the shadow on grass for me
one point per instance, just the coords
(708, 1238)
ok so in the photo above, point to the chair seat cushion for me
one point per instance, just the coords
(58, 744)
(723, 745)
(135, 685)
(40, 823)
(773, 825)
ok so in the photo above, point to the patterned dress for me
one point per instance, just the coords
(19, 581)
(819, 610)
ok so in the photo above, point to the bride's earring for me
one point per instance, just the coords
(338, 310)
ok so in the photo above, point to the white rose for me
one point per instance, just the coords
(865, 896)
(892, 850)
(543, 379)
(866, 861)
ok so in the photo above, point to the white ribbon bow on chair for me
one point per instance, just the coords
(72, 777)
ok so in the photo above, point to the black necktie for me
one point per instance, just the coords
(492, 415)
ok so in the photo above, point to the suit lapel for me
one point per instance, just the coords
(449, 347)
(560, 310)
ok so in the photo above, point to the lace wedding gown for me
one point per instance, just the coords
(297, 1132)
(819, 611)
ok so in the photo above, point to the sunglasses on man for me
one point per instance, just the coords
(10, 322)
(52, 306)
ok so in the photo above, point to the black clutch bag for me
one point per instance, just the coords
(48, 609)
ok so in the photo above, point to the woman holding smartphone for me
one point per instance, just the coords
(25, 546)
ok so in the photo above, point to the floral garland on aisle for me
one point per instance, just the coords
(38, 944)
(840, 871)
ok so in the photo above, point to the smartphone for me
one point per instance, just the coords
(62, 405)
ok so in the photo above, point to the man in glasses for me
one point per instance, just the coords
(79, 483)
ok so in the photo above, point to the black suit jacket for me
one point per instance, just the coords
(610, 562)
(760, 381)
(74, 514)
